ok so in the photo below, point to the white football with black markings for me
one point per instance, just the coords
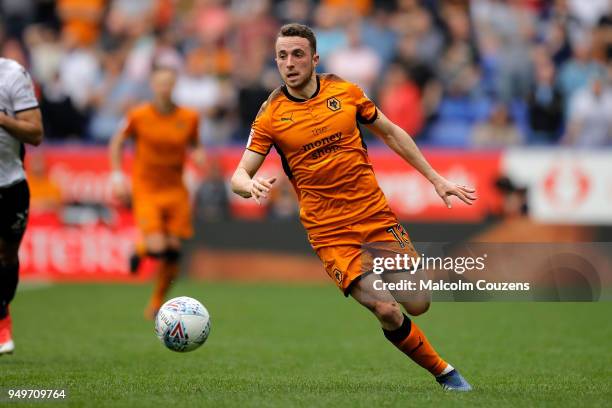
(182, 324)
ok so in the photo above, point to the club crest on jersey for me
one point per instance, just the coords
(333, 104)
(338, 275)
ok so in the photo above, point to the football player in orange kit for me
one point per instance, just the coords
(162, 134)
(312, 121)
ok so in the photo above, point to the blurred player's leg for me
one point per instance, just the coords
(177, 223)
(14, 205)
(156, 247)
(9, 277)
(140, 252)
(167, 272)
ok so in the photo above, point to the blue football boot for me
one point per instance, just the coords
(453, 381)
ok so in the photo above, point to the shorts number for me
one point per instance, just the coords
(399, 234)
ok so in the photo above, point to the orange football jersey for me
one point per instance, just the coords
(323, 151)
(161, 144)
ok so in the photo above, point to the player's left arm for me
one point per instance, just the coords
(26, 126)
(198, 153)
(401, 143)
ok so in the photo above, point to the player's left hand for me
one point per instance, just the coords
(445, 189)
(199, 157)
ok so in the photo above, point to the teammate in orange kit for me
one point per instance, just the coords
(162, 133)
(312, 121)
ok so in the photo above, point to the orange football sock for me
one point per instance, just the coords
(167, 272)
(411, 341)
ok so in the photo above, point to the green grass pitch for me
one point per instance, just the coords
(304, 346)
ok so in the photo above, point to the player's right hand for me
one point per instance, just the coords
(260, 187)
(119, 188)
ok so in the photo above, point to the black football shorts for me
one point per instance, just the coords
(14, 206)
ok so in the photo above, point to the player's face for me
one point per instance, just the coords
(162, 83)
(295, 61)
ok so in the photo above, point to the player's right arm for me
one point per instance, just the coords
(400, 142)
(26, 126)
(243, 181)
(115, 149)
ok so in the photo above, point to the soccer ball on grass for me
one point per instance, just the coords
(182, 324)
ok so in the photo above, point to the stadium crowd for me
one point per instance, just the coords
(453, 73)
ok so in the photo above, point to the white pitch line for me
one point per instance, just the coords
(33, 285)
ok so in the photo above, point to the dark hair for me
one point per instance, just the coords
(299, 30)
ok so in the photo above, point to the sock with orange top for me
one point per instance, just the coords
(411, 341)
(167, 271)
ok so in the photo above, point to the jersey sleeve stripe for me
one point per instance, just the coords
(366, 121)
(255, 151)
(27, 109)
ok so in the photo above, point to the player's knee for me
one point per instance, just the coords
(417, 308)
(388, 313)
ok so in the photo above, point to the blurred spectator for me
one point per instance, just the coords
(12, 49)
(254, 27)
(602, 39)
(557, 43)
(208, 22)
(211, 197)
(199, 89)
(577, 71)
(254, 81)
(196, 87)
(400, 100)
(46, 52)
(429, 39)
(457, 69)
(17, 15)
(376, 35)
(420, 73)
(463, 101)
(78, 71)
(61, 118)
(357, 62)
(81, 19)
(329, 29)
(514, 204)
(133, 10)
(460, 55)
(152, 48)
(590, 115)
(561, 15)
(589, 12)
(113, 95)
(545, 105)
(504, 36)
(352, 7)
(498, 131)
(295, 11)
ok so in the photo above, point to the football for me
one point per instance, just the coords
(182, 324)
